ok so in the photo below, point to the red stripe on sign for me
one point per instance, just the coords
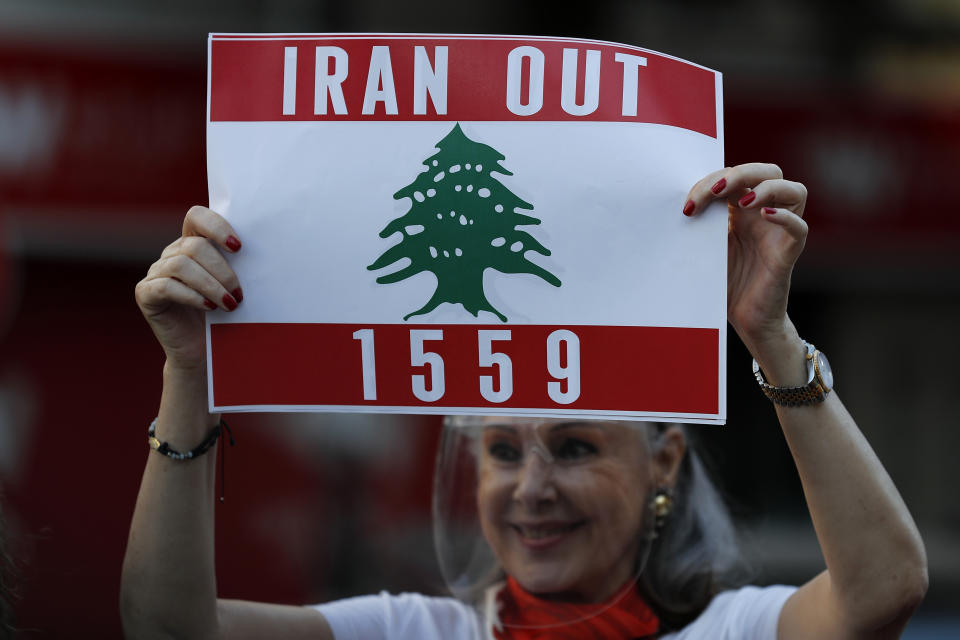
(248, 81)
(655, 369)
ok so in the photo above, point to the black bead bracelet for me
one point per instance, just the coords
(165, 449)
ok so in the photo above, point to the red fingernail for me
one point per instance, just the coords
(769, 210)
(747, 199)
(238, 294)
(208, 304)
(688, 208)
(719, 186)
(232, 243)
(229, 302)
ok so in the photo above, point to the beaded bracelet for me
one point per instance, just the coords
(165, 449)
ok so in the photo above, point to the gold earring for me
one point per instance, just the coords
(662, 506)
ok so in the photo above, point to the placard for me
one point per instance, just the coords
(466, 224)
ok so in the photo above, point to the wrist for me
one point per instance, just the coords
(183, 418)
(782, 357)
(173, 369)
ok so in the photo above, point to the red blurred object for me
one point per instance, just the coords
(99, 129)
(876, 169)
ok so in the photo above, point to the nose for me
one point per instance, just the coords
(535, 482)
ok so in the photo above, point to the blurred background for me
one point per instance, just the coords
(102, 107)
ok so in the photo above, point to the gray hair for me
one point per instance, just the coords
(696, 553)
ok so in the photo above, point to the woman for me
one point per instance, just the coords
(579, 539)
(611, 524)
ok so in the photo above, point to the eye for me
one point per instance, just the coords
(503, 452)
(575, 449)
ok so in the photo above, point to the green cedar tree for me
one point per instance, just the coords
(461, 221)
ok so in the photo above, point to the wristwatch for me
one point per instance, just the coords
(819, 382)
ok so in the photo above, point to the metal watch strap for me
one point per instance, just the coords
(810, 393)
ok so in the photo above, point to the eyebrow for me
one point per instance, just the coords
(499, 427)
(562, 426)
(581, 424)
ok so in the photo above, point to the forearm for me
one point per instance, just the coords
(168, 584)
(873, 551)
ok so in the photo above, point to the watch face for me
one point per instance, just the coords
(826, 373)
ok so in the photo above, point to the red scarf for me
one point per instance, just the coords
(629, 617)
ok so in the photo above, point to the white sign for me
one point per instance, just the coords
(466, 224)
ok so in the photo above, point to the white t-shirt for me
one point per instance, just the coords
(749, 613)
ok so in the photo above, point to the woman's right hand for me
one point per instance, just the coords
(190, 278)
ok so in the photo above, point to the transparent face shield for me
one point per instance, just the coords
(563, 508)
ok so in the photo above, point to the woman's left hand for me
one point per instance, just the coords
(766, 236)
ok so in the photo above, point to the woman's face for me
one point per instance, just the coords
(562, 503)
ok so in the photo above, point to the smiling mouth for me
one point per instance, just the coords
(545, 532)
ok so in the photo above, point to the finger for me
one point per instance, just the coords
(201, 251)
(186, 270)
(775, 193)
(788, 220)
(158, 293)
(700, 195)
(201, 221)
(746, 176)
(731, 182)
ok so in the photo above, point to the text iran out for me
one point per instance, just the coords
(525, 71)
